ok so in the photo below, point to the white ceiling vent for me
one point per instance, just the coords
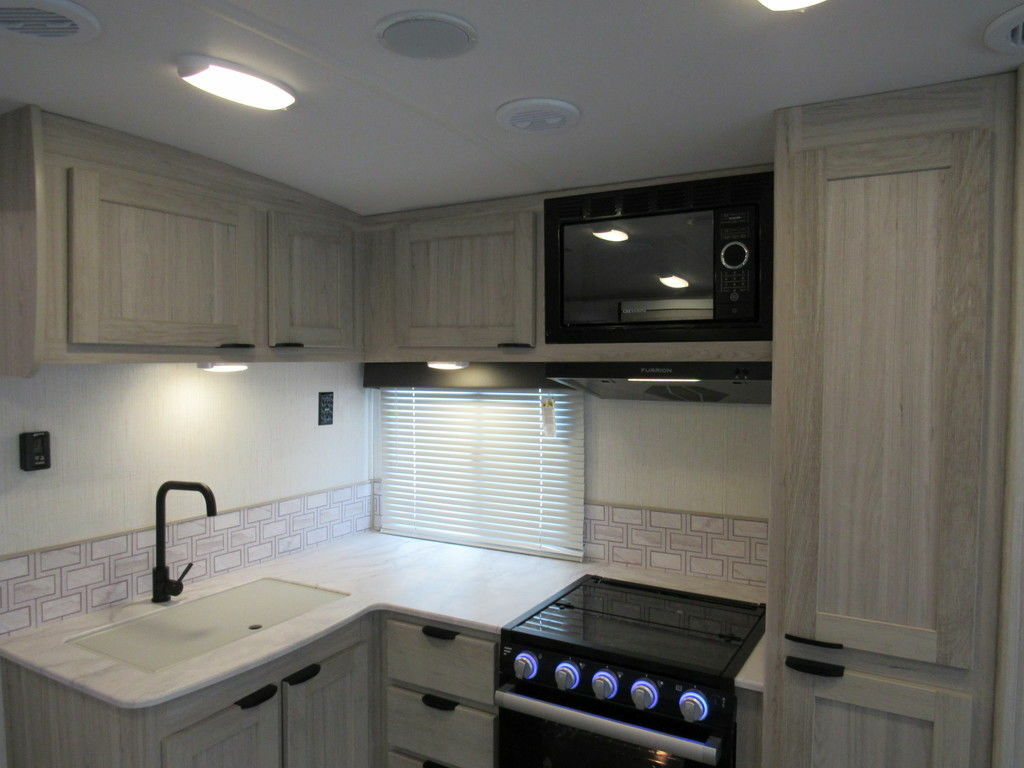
(47, 20)
(426, 34)
(1006, 34)
(538, 115)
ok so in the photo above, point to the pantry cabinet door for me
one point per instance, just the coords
(326, 713)
(465, 282)
(313, 299)
(156, 263)
(232, 738)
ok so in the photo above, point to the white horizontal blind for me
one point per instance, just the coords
(474, 467)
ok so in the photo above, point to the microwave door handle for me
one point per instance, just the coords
(705, 753)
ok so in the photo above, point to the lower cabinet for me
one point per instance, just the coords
(235, 737)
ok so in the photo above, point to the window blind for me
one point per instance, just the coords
(475, 467)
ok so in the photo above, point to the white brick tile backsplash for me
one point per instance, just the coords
(59, 582)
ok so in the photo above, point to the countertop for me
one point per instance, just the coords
(478, 588)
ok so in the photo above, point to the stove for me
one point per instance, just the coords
(609, 674)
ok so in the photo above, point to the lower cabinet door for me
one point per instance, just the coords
(868, 721)
(235, 737)
(326, 713)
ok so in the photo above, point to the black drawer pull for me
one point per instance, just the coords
(254, 699)
(297, 344)
(514, 345)
(236, 346)
(440, 634)
(303, 675)
(432, 764)
(819, 668)
(436, 702)
(815, 643)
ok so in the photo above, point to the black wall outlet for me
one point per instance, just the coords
(35, 450)
(326, 409)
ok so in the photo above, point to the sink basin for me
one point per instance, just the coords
(183, 631)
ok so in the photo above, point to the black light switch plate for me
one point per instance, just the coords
(35, 450)
(326, 409)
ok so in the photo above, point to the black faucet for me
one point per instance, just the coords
(164, 587)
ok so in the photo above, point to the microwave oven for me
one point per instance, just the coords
(689, 261)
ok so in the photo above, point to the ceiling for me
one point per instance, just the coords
(664, 86)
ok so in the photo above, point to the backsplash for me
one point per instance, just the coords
(710, 546)
(57, 583)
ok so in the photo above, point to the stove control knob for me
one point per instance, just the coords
(693, 706)
(525, 666)
(605, 684)
(567, 676)
(644, 694)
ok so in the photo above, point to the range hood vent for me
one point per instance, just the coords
(725, 383)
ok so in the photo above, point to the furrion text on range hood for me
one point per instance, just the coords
(726, 383)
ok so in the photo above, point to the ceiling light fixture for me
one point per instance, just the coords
(234, 83)
(674, 281)
(444, 365)
(426, 34)
(222, 367)
(612, 236)
(788, 5)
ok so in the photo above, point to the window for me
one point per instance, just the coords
(475, 467)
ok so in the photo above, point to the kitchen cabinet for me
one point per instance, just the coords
(313, 295)
(158, 263)
(888, 425)
(231, 738)
(465, 282)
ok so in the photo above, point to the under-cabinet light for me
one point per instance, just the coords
(222, 367)
(674, 281)
(673, 381)
(788, 5)
(444, 365)
(234, 83)
(612, 236)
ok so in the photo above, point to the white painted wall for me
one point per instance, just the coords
(689, 456)
(118, 431)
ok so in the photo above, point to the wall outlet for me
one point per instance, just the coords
(326, 410)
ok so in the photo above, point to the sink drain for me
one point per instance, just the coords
(255, 626)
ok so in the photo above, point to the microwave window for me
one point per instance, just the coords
(639, 270)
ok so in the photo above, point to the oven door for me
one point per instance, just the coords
(534, 733)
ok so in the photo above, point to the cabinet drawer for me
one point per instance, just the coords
(462, 737)
(463, 666)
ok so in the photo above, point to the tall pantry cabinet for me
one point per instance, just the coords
(889, 418)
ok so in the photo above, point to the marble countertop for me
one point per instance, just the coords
(477, 588)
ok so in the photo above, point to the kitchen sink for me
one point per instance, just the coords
(182, 631)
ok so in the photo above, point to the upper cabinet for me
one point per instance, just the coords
(156, 263)
(312, 283)
(888, 425)
(465, 282)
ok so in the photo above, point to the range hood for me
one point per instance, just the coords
(748, 383)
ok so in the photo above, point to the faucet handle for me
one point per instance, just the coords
(175, 586)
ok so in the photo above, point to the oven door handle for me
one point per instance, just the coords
(705, 753)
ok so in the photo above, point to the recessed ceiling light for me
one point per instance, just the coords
(612, 236)
(222, 367)
(788, 5)
(538, 115)
(426, 34)
(444, 365)
(234, 82)
(674, 281)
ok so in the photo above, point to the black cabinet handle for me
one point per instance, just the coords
(436, 702)
(254, 699)
(432, 764)
(514, 345)
(304, 675)
(819, 668)
(815, 643)
(297, 344)
(236, 346)
(440, 634)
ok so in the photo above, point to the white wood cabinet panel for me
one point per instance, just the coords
(463, 737)
(232, 738)
(463, 666)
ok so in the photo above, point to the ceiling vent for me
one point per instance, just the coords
(1006, 34)
(426, 34)
(538, 115)
(47, 20)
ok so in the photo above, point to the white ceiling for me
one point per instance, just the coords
(665, 86)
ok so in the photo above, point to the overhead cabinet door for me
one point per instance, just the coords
(465, 282)
(155, 263)
(312, 283)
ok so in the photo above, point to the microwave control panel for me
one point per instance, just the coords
(736, 263)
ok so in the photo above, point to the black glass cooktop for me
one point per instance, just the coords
(674, 629)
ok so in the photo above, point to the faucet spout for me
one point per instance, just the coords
(163, 586)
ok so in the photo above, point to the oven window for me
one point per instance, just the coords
(639, 270)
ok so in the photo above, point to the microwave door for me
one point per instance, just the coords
(665, 310)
